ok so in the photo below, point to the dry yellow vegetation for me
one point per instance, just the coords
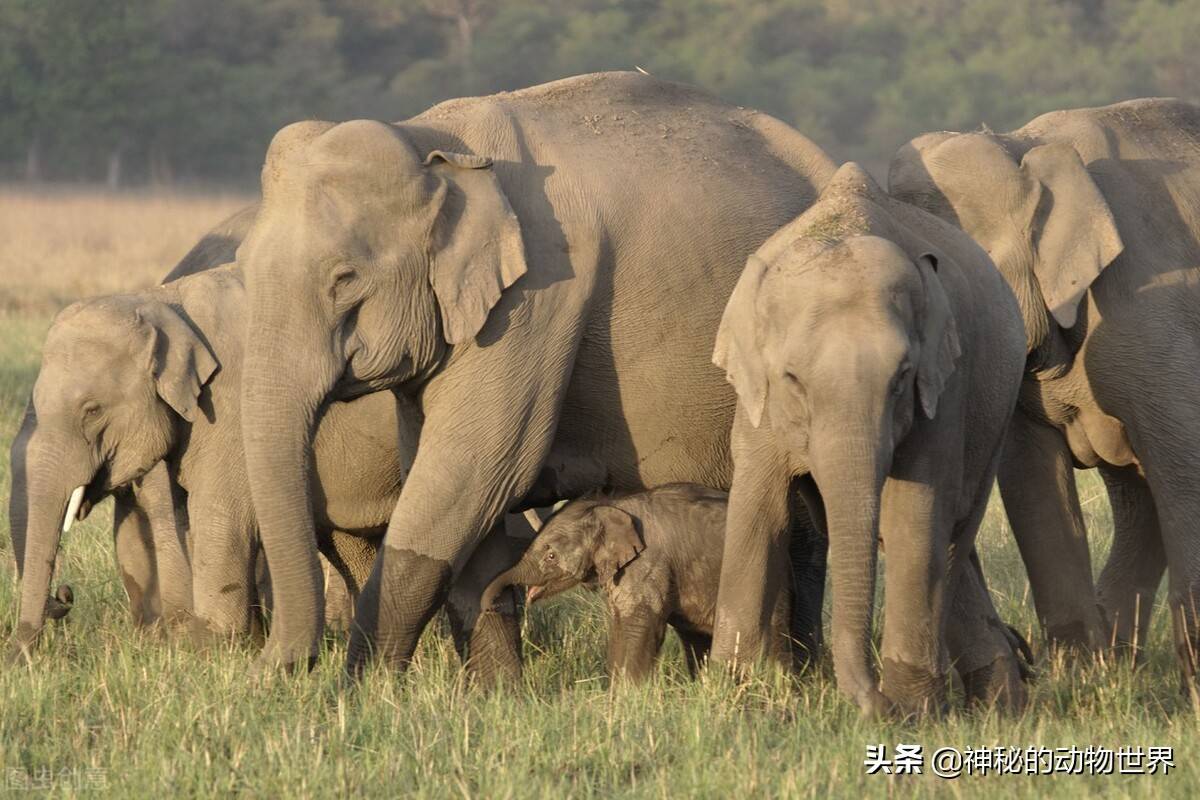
(60, 245)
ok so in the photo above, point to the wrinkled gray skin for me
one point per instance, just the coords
(655, 555)
(138, 396)
(876, 348)
(1093, 217)
(543, 272)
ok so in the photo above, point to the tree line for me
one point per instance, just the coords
(135, 91)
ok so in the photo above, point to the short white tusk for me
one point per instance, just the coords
(531, 516)
(73, 508)
(561, 503)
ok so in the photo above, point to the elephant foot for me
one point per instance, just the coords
(290, 660)
(494, 651)
(1076, 636)
(1000, 684)
(914, 691)
(21, 645)
(401, 596)
(874, 704)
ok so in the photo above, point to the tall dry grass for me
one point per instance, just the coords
(59, 245)
(104, 710)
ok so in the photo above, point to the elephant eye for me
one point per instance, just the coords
(343, 278)
(90, 410)
(901, 379)
(550, 555)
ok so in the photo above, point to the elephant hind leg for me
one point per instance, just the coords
(695, 649)
(1136, 562)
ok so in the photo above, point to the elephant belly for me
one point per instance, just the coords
(1095, 438)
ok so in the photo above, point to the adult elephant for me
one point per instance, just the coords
(543, 271)
(1092, 216)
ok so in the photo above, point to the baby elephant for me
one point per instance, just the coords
(656, 555)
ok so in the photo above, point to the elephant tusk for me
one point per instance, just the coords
(531, 516)
(73, 508)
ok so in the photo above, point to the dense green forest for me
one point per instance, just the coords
(131, 91)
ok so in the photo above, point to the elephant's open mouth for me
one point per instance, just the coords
(546, 590)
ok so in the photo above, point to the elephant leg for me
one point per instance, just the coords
(634, 639)
(224, 565)
(164, 504)
(1136, 563)
(809, 549)
(981, 647)
(1177, 500)
(134, 545)
(756, 527)
(488, 640)
(339, 603)
(916, 539)
(695, 649)
(1037, 485)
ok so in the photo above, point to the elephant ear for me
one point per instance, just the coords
(180, 362)
(619, 542)
(940, 347)
(479, 252)
(737, 347)
(1076, 236)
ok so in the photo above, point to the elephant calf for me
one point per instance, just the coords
(877, 352)
(656, 555)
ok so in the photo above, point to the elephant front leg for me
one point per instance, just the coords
(452, 497)
(224, 581)
(134, 545)
(916, 539)
(1136, 563)
(160, 498)
(755, 548)
(809, 551)
(635, 635)
(981, 647)
(1037, 484)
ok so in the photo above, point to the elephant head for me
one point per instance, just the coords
(839, 347)
(1041, 218)
(117, 374)
(586, 541)
(368, 261)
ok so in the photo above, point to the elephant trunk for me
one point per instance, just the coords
(523, 574)
(279, 401)
(47, 490)
(849, 467)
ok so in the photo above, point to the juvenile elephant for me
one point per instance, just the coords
(544, 269)
(1093, 217)
(877, 349)
(137, 396)
(656, 556)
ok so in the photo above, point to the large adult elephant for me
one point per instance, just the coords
(543, 271)
(1092, 215)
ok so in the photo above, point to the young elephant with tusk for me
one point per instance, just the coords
(656, 556)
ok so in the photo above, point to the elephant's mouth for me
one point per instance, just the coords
(546, 590)
(94, 491)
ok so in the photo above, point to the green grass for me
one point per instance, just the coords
(111, 711)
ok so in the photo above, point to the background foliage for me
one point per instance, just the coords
(158, 90)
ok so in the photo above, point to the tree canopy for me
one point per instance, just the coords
(154, 90)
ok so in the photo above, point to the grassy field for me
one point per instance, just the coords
(105, 710)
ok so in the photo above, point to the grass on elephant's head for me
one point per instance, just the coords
(111, 711)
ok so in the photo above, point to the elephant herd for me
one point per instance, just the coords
(581, 291)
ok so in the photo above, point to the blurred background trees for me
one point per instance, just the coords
(137, 91)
